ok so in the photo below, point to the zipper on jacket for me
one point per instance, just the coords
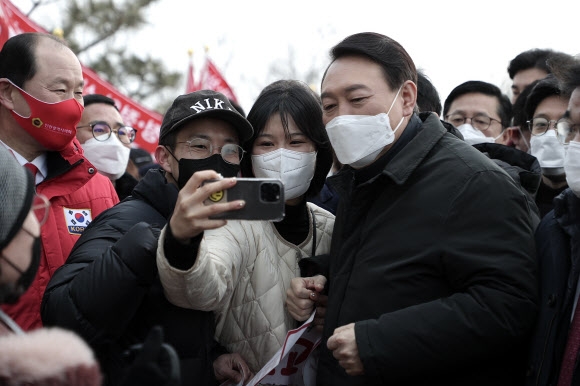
(540, 365)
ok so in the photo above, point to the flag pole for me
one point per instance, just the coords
(190, 85)
(201, 81)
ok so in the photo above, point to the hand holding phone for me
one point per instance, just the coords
(264, 199)
(191, 216)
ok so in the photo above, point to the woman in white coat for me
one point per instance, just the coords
(242, 269)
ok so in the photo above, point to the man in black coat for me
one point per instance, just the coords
(109, 291)
(431, 278)
(552, 358)
(482, 113)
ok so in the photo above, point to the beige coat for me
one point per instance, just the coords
(242, 272)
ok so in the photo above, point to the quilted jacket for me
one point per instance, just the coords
(242, 272)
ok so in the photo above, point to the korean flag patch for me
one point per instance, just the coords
(77, 220)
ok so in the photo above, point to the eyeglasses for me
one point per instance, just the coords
(565, 130)
(102, 132)
(480, 121)
(40, 207)
(200, 148)
(539, 126)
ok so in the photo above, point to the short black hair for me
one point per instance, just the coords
(533, 58)
(504, 109)
(543, 89)
(291, 99)
(427, 96)
(395, 62)
(519, 108)
(17, 57)
(568, 72)
(98, 98)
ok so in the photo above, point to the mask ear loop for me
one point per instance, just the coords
(175, 158)
(522, 136)
(495, 138)
(399, 125)
(170, 152)
(394, 100)
(390, 108)
(10, 262)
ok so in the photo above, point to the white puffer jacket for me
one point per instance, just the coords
(241, 273)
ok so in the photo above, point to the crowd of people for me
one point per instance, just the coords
(437, 242)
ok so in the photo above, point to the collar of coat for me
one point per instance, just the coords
(429, 130)
(567, 213)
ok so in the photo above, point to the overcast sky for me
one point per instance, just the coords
(452, 41)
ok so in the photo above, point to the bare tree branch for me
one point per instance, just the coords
(36, 4)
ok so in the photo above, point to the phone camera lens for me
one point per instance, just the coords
(270, 192)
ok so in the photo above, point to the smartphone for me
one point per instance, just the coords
(264, 199)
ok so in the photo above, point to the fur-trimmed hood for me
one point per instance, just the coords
(47, 357)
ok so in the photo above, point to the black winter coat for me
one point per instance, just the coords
(524, 168)
(109, 291)
(558, 243)
(433, 260)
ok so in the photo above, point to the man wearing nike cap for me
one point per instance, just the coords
(109, 290)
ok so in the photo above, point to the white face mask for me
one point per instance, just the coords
(473, 136)
(294, 168)
(548, 150)
(110, 157)
(572, 167)
(358, 139)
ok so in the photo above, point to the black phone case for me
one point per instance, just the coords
(256, 208)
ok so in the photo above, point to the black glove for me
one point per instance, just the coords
(152, 363)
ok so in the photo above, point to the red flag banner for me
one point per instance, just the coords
(147, 122)
(212, 79)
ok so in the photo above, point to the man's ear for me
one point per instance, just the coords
(506, 138)
(516, 138)
(162, 156)
(409, 95)
(6, 90)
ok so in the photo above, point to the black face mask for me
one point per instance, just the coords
(11, 293)
(215, 162)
